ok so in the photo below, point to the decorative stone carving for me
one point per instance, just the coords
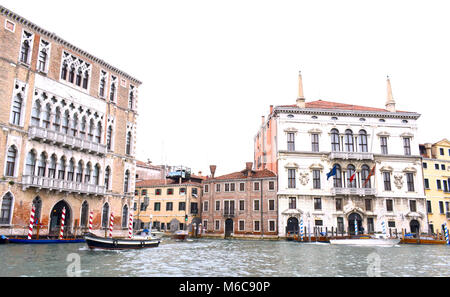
(304, 178)
(398, 181)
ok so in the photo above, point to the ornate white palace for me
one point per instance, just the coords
(374, 152)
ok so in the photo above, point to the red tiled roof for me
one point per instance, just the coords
(320, 104)
(162, 182)
(243, 175)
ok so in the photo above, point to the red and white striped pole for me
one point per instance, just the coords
(130, 226)
(30, 229)
(63, 220)
(111, 225)
(91, 219)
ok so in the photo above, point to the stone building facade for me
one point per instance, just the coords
(340, 163)
(242, 204)
(68, 124)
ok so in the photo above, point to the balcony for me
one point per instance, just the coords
(42, 134)
(40, 182)
(354, 191)
(228, 213)
(351, 156)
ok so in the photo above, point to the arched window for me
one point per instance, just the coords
(85, 79)
(5, 214)
(91, 130)
(52, 167)
(62, 169)
(96, 175)
(71, 170)
(65, 122)
(36, 114)
(349, 147)
(72, 74)
(363, 141)
(64, 71)
(107, 177)
(101, 91)
(131, 100)
(79, 172)
(11, 161)
(126, 181)
(83, 128)
(78, 78)
(365, 171)
(31, 163)
(46, 116)
(42, 165)
(98, 132)
(112, 93)
(87, 173)
(125, 216)
(84, 214)
(37, 203)
(57, 121)
(17, 110)
(128, 144)
(109, 133)
(335, 142)
(105, 216)
(25, 52)
(74, 125)
(351, 176)
(338, 177)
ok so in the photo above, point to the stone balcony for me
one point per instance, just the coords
(354, 191)
(351, 156)
(58, 138)
(40, 182)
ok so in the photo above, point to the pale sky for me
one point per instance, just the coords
(211, 69)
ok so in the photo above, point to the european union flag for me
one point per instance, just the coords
(333, 172)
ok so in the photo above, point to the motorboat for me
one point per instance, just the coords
(180, 235)
(367, 241)
(136, 242)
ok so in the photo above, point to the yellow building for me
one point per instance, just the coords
(167, 205)
(436, 169)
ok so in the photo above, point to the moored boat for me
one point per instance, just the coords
(180, 235)
(95, 242)
(44, 241)
(366, 241)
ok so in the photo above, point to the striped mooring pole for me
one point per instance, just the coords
(30, 228)
(91, 219)
(111, 225)
(130, 226)
(447, 238)
(302, 229)
(63, 220)
(356, 227)
(383, 225)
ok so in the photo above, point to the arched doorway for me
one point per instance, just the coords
(229, 228)
(351, 224)
(55, 218)
(292, 226)
(415, 227)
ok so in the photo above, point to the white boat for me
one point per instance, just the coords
(365, 241)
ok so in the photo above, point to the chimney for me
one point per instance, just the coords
(263, 120)
(200, 173)
(248, 168)
(271, 109)
(213, 170)
(301, 98)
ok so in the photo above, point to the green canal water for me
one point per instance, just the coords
(225, 258)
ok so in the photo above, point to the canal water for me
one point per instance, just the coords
(226, 258)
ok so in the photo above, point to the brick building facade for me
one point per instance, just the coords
(242, 204)
(68, 132)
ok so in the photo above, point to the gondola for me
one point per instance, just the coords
(95, 242)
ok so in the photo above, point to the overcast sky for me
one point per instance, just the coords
(211, 69)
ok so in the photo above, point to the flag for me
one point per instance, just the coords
(372, 173)
(353, 177)
(333, 172)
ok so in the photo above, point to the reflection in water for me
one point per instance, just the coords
(229, 258)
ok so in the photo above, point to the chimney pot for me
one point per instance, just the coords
(213, 170)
